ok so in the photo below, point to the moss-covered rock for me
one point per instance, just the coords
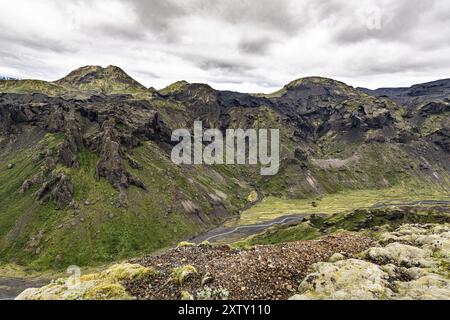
(107, 291)
(393, 271)
(185, 244)
(105, 285)
(428, 287)
(346, 279)
(179, 275)
(400, 255)
(185, 295)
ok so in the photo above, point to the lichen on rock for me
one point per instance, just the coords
(400, 255)
(106, 285)
(414, 267)
(180, 274)
(346, 279)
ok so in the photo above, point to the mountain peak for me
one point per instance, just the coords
(96, 78)
(317, 86)
(183, 86)
(307, 83)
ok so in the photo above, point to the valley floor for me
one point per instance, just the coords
(382, 253)
(272, 207)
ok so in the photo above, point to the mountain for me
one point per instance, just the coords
(107, 80)
(86, 175)
(5, 78)
(426, 107)
(435, 90)
(81, 83)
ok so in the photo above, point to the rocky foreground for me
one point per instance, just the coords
(412, 262)
(263, 272)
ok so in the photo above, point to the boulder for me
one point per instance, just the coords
(428, 287)
(347, 279)
(400, 255)
(336, 257)
(63, 191)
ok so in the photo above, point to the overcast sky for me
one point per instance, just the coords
(243, 45)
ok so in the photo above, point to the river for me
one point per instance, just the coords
(12, 287)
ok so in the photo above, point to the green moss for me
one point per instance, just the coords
(303, 231)
(434, 123)
(107, 292)
(32, 86)
(185, 244)
(126, 271)
(179, 275)
(174, 88)
(106, 285)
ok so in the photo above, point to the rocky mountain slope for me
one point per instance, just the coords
(86, 175)
(426, 107)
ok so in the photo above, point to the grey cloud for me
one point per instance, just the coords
(115, 31)
(398, 22)
(155, 17)
(11, 38)
(255, 46)
(277, 15)
(268, 41)
(393, 67)
(160, 15)
(149, 74)
(227, 67)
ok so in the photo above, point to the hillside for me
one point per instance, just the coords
(86, 176)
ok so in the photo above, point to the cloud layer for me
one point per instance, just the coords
(245, 45)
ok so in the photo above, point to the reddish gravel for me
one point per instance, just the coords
(264, 272)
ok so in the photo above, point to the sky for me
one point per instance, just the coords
(241, 45)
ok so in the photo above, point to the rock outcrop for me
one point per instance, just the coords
(414, 265)
(73, 142)
(57, 187)
(111, 164)
(63, 191)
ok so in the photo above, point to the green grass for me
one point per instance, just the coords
(360, 220)
(32, 86)
(273, 207)
(434, 123)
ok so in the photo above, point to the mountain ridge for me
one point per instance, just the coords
(113, 73)
(87, 177)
